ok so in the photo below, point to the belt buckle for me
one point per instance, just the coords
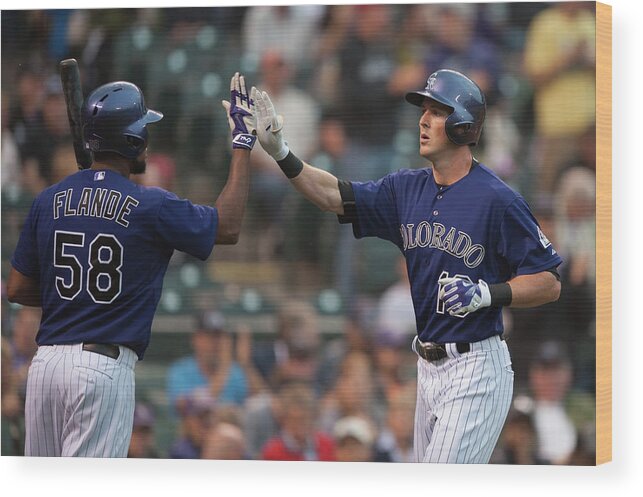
(431, 351)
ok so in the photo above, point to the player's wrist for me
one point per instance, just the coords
(500, 294)
(244, 140)
(282, 153)
(291, 165)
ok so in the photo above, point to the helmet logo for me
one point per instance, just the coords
(430, 83)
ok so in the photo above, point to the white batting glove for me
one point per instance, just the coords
(240, 114)
(268, 125)
(460, 296)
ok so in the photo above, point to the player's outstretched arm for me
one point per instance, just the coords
(317, 185)
(232, 200)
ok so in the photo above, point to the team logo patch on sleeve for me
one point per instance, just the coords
(543, 239)
(99, 175)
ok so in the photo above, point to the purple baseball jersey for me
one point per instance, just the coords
(100, 244)
(476, 228)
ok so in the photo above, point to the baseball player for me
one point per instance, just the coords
(471, 246)
(93, 252)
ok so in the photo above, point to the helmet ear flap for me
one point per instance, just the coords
(136, 138)
(135, 141)
(457, 132)
(461, 133)
(461, 128)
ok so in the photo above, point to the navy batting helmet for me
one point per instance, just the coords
(114, 117)
(454, 89)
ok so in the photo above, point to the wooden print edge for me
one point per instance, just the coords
(603, 233)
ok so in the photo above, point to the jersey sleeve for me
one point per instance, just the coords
(522, 242)
(25, 258)
(187, 227)
(376, 210)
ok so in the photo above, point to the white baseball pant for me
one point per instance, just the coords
(462, 403)
(79, 403)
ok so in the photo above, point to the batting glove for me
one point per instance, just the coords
(460, 296)
(240, 114)
(269, 125)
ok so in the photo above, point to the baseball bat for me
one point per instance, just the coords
(70, 77)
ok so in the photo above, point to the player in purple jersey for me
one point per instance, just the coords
(93, 252)
(471, 246)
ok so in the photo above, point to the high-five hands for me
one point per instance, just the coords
(240, 111)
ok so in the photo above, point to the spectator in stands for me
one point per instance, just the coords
(550, 378)
(261, 419)
(395, 441)
(143, 444)
(366, 62)
(459, 46)
(56, 132)
(298, 440)
(352, 393)
(302, 362)
(316, 234)
(292, 353)
(212, 370)
(312, 235)
(518, 441)
(575, 223)
(26, 124)
(195, 414)
(291, 30)
(337, 25)
(394, 363)
(354, 437)
(25, 116)
(268, 185)
(224, 441)
(395, 307)
(354, 338)
(559, 60)
(575, 233)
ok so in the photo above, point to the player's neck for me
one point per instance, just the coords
(122, 169)
(449, 169)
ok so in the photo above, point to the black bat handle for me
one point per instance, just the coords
(70, 78)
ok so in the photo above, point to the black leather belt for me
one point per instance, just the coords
(435, 351)
(106, 349)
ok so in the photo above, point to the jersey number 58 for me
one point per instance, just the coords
(103, 270)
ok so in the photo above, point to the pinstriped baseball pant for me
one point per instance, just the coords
(462, 403)
(79, 403)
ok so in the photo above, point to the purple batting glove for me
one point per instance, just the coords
(240, 114)
(461, 296)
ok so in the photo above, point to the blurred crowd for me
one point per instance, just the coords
(297, 341)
